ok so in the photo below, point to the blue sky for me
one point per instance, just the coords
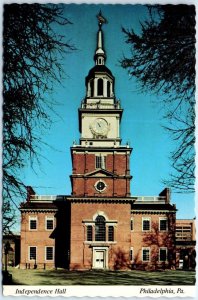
(142, 118)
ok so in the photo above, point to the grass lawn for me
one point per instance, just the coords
(63, 277)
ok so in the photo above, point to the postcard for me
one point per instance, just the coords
(98, 149)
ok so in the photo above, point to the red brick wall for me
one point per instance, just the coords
(81, 251)
(109, 163)
(85, 163)
(39, 238)
(153, 238)
(115, 186)
(120, 164)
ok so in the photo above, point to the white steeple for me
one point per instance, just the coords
(100, 53)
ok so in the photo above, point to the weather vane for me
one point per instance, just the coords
(101, 19)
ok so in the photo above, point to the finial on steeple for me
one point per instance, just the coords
(100, 53)
(101, 19)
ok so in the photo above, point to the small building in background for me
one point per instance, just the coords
(185, 244)
(13, 256)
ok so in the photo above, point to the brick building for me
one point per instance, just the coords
(100, 225)
(13, 256)
(185, 244)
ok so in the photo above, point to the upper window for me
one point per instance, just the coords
(33, 223)
(146, 224)
(89, 233)
(163, 224)
(110, 233)
(100, 162)
(100, 229)
(100, 87)
(49, 223)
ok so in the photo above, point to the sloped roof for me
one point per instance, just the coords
(98, 69)
(100, 172)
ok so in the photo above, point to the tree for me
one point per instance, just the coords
(163, 62)
(32, 52)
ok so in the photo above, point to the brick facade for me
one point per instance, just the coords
(82, 214)
(100, 225)
(41, 237)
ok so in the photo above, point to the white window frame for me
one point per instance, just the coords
(146, 248)
(107, 236)
(146, 219)
(95, 185)
(101, 162)
(46, 253)
(33, 218)
(163, 248)
(29, 258)
(131, 250)
(46, 219)
(161, 219)
(92, 233)
(132, 220)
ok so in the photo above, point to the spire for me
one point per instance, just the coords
(100, 53)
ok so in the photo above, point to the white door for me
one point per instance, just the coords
(99, 259)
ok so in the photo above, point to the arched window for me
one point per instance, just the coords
(108, 89)
(92, 88)
(100, 87)
(100, 230)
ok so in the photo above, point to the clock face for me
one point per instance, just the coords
(100, 186)
(100, 127)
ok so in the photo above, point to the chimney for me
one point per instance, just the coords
(30, 192)
(166, 193)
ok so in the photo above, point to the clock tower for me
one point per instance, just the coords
(100, 162)
(100, 225)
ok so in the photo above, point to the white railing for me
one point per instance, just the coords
(43, 197)
(150, 198)
(100, 106)
(156, 199)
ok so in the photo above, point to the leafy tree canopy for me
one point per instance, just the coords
(163, 62)
(32, 52)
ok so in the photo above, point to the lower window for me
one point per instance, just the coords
(131, 254)
(49, 254)
(32, 253)
(163, 254)
(145, 254)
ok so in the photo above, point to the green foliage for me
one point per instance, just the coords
(32, 53)
(163, 62)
